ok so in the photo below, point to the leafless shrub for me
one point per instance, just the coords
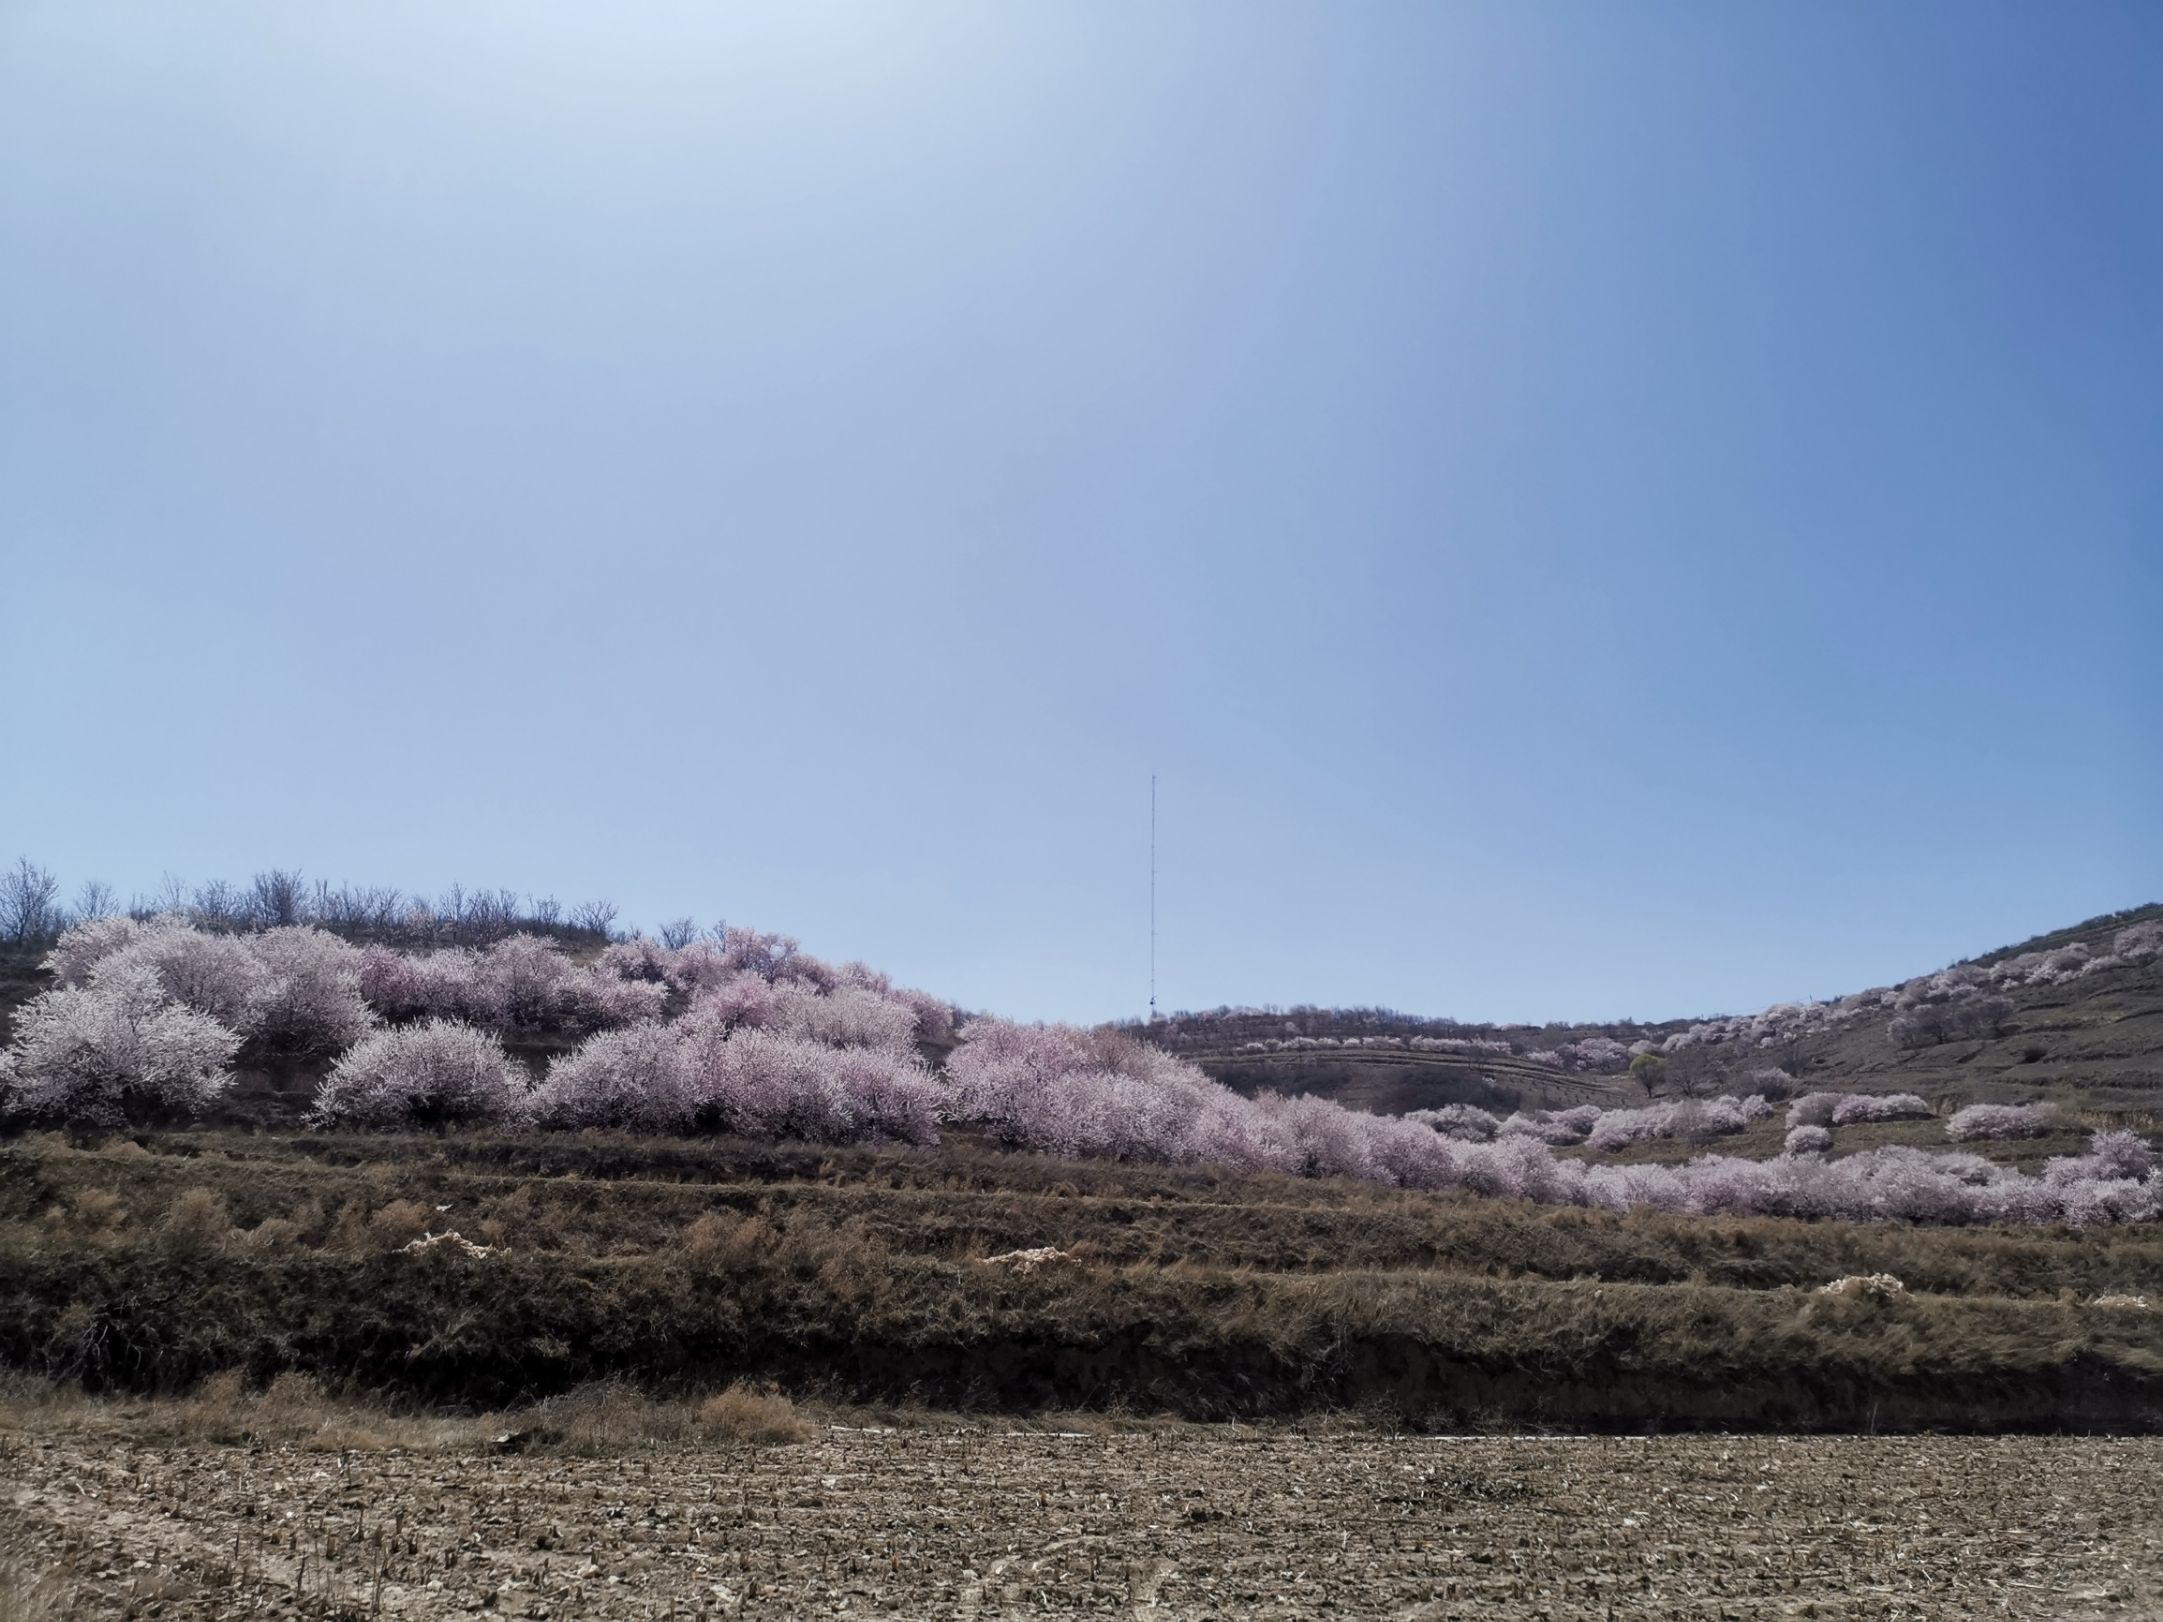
(1775, 1084)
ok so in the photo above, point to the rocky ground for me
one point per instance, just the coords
(1181, 1522)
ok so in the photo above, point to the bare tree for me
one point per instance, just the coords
(217, 903)
(350, 908)
(29, 909)
(678, 933)
(275, 899)
(594, 916)
(493, 913)
(96, 899)
(547, 911)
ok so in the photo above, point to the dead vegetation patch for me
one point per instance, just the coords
(757, 1415)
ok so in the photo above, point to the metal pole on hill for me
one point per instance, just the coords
(1152, 898)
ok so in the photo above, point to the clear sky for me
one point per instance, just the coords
(1590, 510)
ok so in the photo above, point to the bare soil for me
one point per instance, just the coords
(1185, 1521)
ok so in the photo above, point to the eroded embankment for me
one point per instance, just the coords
(1434, 1349)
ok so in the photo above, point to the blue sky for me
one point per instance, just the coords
(1589, 510)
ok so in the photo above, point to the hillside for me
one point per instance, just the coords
(2093, 1042)
(681, 1167)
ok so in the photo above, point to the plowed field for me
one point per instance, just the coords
(1191, 1521)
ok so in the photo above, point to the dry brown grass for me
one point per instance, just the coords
(221, 1407)
(727, 1208)
(292, 1394)
(294, 1410)
(400, 1222)
(759, 1416)
(98, 1210)
(600, 1418)
(27, 1596)
(727, 1243)
(851, 1275)
(272, 1234)
(198, 1220)
(608, 1416)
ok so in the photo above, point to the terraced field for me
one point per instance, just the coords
(871, 1276)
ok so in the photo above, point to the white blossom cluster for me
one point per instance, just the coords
(745, 1034)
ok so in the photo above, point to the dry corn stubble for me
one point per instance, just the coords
(1188, 1521)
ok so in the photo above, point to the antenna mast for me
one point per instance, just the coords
(1152, 898)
